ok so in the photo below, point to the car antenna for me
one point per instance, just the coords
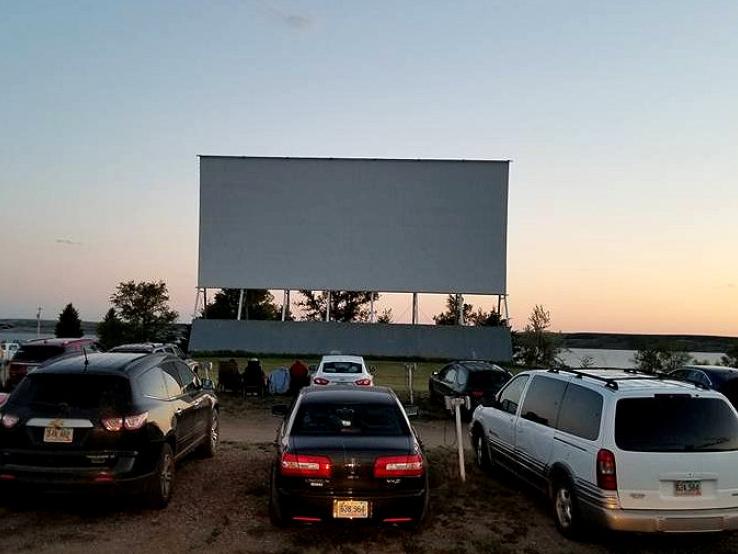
(84, 351)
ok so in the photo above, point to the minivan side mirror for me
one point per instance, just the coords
(280, 410)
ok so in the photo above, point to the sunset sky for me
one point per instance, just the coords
(621, 119)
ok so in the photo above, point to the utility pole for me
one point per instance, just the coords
(38, 322)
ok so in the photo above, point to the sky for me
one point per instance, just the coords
(620, 119)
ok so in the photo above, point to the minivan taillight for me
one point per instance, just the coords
(399, 466)
(299, 465)
(606, 474)
(130, 423)
(320, 381)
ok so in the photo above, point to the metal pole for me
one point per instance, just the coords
(284, 305)
(197, 304)
(415, 308)
(204, 298)
(459, 309)
(240, 305)
(38, 322)
(287, 303)
(328, 306)
(460, 438)
(410, 370)
(499, 304)
(372, 315)
(507, 311)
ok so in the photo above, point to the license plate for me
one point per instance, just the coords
(687, 488)
(58, 434)
(350, 509)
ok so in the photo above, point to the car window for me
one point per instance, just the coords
(680, 374)
(187, 377)
(171, 378)
(510, 396)
(542, 401)
(152, 384)
(108, 393)
(700, 377)
(675, 423)
(462, 376)
(342, 367)
(581, 412)
(368, 419)
(178, 352)
(450, 377)
(37, 353)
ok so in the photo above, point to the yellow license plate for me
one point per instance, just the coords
(58, 434)
(350, 509)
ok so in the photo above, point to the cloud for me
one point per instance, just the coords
(296, 21)
(68, 242)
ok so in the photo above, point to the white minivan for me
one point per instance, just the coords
(621, 449)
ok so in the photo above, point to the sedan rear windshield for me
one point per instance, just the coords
(341, 367)
(106, 393)
(490, 379)
(675, 423)
(37, 353)
(383, 420)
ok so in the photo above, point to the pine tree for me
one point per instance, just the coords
(111, 330)
(69, 325)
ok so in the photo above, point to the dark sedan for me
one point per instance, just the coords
(348, 453)
(720, 378)
(480, 381)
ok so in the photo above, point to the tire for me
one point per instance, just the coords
(276, 515)
(162, 482)
(209, 447)
(566, 509)
(481, 451)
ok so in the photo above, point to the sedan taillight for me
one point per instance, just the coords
(399, 466)
(9, 421)
(363, 382)
(299, 465)
(320, 381)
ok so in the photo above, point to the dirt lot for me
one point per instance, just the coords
(220, 505)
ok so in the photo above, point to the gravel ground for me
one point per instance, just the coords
(221, 505)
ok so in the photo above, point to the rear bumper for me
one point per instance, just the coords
(664, 521)
(403, 507)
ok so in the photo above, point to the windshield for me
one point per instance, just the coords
(37, 353)
(350, 419)
(341, 367)
(675, 423)
(107, 393)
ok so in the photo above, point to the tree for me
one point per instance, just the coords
(730, 358)
(69, 325)
(111, 330)
(386, 316)
(144, 309)
(662, 358)
(486, 319)
(257, 304)
(586, 362)
(449, 317)
(536, 346)
(345, 305)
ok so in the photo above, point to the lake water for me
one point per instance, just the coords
(621, 359)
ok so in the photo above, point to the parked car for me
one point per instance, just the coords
(8, 349)
(348, 452)
(480, 381)
(339, 369)
(36, 352)
(111, 421)
(157, 347)
(720, 378)
(623, 450)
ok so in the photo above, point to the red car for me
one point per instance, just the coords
(35, 352)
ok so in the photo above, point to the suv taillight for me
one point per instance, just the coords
(320, 381)
(606, 475)
(399, 466)
(299, 465)
(130, 423)
(363, 382)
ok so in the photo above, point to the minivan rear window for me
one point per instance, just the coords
(675, 423)
(76, 391)
(378, 419)
(37, 353)
(341, 367)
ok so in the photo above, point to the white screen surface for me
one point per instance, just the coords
(353, 224)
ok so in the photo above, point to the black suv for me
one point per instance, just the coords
(106, 421)
(480, 381)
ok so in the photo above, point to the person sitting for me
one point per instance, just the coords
(299, 376)
(254, 379)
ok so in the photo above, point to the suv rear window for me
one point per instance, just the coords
(383, 420)
(80, 391)
(341, 367)
(37, 353)
(675, 423)
(490, 379)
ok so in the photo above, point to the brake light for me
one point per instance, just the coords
(606, 473)
(477, 394)
(320, 381)
(3, 398)
(130, 423)
(399, 466)
(10, 421)
(299, 465)
(363, 382)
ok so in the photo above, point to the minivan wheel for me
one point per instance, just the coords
(162, 482)
(565, 510)
(481, 452)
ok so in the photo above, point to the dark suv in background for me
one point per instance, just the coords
(36, 352)
(106, 421)
(480, 381)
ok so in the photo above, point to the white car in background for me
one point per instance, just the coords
(335, 369)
